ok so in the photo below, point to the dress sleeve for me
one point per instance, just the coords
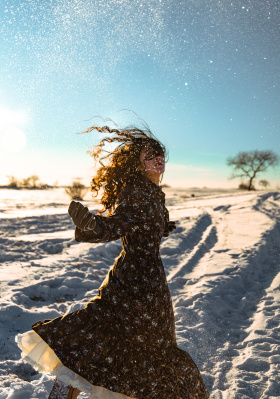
(130, 216)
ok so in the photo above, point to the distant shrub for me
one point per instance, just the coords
(77, 190)
(192, 195)
(244, 186)
(31, 182)
(13, 182)
(165, 185)
(28, 182)
(264, 183)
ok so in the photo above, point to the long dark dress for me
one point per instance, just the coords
(124, 339)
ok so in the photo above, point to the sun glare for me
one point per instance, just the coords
(9, 117)
(12, 136)
(12, 139)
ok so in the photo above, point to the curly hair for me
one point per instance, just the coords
(123, 163)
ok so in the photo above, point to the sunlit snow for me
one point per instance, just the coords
(222, 266)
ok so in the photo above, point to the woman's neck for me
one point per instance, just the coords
(154, 177)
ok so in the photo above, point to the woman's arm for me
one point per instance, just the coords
(130, 216)
(85, 236)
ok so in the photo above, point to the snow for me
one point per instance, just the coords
(222, 266)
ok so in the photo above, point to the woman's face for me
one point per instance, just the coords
(154, 163)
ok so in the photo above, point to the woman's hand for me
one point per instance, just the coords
(170, 227)
(81, 216)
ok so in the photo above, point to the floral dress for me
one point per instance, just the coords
(124, 339)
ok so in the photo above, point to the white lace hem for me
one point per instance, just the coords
(37, 352)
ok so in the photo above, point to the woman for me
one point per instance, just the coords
(123, 343)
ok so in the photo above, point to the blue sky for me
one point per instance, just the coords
(203, 74)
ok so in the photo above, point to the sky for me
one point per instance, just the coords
(204, 75)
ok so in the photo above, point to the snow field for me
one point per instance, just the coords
(222, 266)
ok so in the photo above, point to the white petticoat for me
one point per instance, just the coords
(37, 352)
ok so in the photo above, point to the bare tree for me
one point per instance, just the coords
(249, 164)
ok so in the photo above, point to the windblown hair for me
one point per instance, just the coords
(123, 163)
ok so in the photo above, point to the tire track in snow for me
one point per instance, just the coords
(215, 324)
(193, 246)
(231, 309)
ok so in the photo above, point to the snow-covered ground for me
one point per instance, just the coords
(222, 264)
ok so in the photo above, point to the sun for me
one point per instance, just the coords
(12, 139)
